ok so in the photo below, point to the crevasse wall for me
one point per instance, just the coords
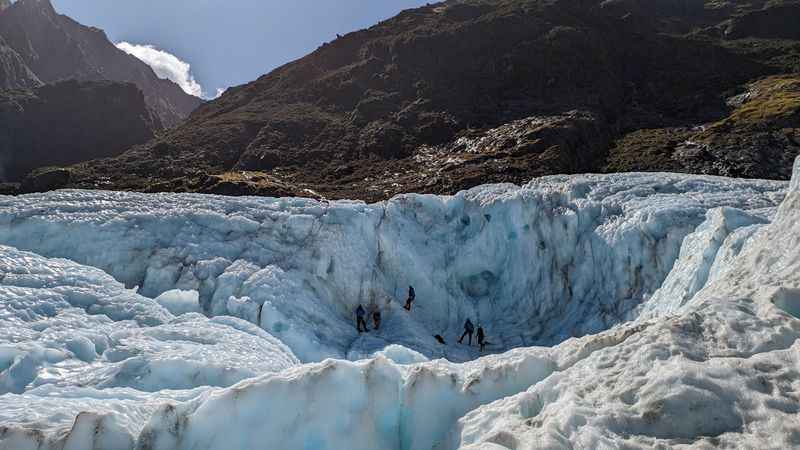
(717, 354)
(560, 257)
(716, 369)
(712, 361)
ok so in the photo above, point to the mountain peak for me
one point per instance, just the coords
(56, 47)
(44, 6)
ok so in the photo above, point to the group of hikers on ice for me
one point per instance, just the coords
(469, 328)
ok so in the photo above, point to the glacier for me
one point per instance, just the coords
(624, 311)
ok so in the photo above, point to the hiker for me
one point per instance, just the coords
(376, 318)
(468, 329)
(481, 337)
(439, 339)
(360, 313)
(411, 297)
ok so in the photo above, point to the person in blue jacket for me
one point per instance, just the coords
(469, 328)
(360, 321)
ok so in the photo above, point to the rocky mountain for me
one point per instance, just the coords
(460, 93)
(68, 122)
(56, 48)
(14, 73)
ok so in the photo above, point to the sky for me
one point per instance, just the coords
(207, 46)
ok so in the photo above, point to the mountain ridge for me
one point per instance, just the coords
(381, 111)
(57, 48)
(68, 122)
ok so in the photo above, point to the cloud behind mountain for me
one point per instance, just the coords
(165, 65)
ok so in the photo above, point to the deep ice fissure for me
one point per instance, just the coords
(560, 257)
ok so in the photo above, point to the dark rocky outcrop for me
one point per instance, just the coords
(45, 179)
(760, 138)
(533, 87)
(57, 48)
(779, 20)
(69, 122)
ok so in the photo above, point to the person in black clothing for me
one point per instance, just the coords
(481, 337)
(411, 297)
(360, 313)
(468, 330)
(376, 318)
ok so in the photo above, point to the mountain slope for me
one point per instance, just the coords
(57, 48)
(68, 122)
(452, 95)
(14, 74)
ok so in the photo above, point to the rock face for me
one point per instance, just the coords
(530, 87)
(57, 48)
(758, 139)
(69, 122)
(68, 95)
(776, 20)
(14, 73)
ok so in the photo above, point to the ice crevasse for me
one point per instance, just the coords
(668, 303)
(560, 257)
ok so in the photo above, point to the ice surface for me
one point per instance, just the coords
(46, 417)
(180, 302)
(400, 355)
(370, 404)
(560, 257)
(74, 340)
(683, 290)
(698, 255)
(722, 372)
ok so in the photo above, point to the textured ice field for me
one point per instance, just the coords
(623, 311)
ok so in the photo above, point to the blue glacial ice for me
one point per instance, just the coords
(631, 310)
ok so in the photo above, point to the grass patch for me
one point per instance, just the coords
(775, 100)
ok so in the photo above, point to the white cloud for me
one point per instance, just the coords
(165, 65)
(220, 91)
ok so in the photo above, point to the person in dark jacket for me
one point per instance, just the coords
(469, 328)
(411, 297)
(360, 322)
(481, 337)
(376, 318)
